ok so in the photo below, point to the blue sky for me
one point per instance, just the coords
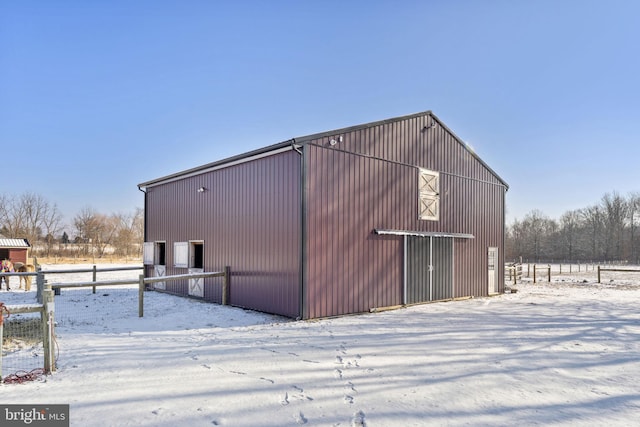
(98, 96)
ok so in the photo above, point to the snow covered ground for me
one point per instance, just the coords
(559, 354)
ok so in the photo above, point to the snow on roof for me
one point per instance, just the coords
(14, 243)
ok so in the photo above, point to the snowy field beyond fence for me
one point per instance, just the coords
(559, 354)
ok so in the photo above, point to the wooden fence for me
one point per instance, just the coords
(514, 272)
(547, 269)
(624, 270)
(142, 282)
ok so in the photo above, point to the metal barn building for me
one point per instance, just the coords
(379, 215)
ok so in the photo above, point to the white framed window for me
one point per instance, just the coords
(428, 195)
(188, 254)
(196, 254)
(181, 254)
(160, 253)
(148, 253)
(153, 253)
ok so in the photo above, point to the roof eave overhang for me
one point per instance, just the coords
(225, 163)
(423, 233)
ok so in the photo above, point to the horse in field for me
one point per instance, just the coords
(24, 268)
(5, 267)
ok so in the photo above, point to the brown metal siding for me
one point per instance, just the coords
(350, 269)
(369, 180)
(249, 219)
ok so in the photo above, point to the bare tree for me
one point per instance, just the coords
(515, 241)
(594, 228)
(633, 212)
(51, 225)
(129, 236)
(96, 231)
(28, 216)
(532, 237)
(11, 217)
(569, 234)
(615, 211)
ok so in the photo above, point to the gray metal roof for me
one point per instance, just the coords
(14, 243)
(304, 139)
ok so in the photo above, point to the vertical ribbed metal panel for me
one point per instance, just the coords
(418, 276)
(442, 259)
(349, 269)
(429, 269)
(369, 180)
(248, 218)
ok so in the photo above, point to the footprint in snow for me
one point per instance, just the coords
(300, 418)
(358, 420)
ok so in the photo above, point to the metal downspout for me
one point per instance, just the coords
(404, 272)
(144, 214)
(302, 308)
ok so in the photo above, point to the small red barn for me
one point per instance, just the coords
(17, 250)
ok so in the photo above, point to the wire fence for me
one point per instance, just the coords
(28, 340)
(22, 345)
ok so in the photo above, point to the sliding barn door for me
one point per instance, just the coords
(429, 269)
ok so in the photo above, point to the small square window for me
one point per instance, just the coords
(428, 195)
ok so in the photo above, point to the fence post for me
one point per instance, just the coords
(534, 273)
(225, 285)
(94, 277)
(141, 295)
(39, 284)
(1, 341)
(598, 273)
(549, 273)
(48, 314)
(2, 310)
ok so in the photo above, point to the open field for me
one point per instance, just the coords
(87, 260)
(558, 354)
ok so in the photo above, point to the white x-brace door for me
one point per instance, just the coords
(196, 286)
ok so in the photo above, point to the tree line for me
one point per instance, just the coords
(604, 231)
(31, 216)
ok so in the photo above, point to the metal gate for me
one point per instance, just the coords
(429, 269)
